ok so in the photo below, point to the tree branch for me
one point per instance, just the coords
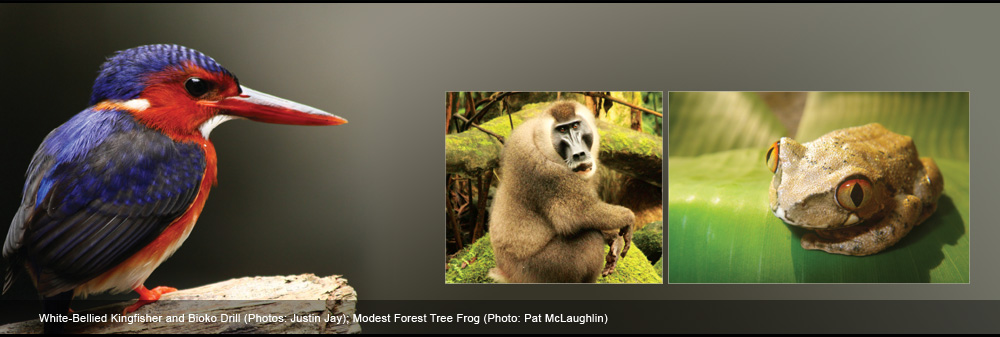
(498, 137)
(608, 97)
(489, 102)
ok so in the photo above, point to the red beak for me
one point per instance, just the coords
(261, 107)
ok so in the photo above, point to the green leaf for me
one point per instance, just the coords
(721, 230)
(707, 122)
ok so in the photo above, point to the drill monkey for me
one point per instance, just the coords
(548, 224)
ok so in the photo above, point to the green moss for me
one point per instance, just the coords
(474, 151)
(659, 267)
(649, 239)
(478, 259)
(616, 139)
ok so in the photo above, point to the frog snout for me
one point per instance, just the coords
(780, 213)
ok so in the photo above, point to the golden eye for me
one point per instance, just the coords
(771, 158)
(854, 193)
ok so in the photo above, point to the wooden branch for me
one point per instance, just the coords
(498, 137)
(495, 97)
(303, 295)
(473, 152)
(608, 97)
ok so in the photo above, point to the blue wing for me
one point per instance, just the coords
(100, 188)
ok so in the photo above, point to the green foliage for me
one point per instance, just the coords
(709, 122)
(478, 259)
(652, 124)
(721, 229)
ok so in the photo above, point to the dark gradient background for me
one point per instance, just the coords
(364, 199)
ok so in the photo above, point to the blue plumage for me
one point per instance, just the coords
(124, 75)
(101, 187)
(74, 139)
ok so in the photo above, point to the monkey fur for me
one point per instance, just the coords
(548, 223)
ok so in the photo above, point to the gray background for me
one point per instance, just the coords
(364, 199)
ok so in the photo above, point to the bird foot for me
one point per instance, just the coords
(147, 296)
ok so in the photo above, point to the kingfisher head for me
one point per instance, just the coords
(185, 93)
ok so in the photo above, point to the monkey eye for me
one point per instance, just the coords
(561, 129)
(576, 125)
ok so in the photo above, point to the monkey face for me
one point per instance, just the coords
(573, 141)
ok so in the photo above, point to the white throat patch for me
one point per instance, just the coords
(211, 123)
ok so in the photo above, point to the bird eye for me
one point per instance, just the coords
(196, 86)
(771, 158)
(854, 193)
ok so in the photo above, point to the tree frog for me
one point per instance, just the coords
(862, 189)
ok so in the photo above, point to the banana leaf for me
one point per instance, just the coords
(721, 230)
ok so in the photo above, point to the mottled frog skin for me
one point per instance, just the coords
(862, 189)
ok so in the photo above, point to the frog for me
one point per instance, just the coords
(861, 189)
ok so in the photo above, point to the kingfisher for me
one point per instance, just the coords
(113, 192)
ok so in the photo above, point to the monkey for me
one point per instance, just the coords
(547, 222)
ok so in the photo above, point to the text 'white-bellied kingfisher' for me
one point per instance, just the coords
(114, 191)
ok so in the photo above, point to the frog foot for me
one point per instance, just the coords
(928, 189)
(865, 240)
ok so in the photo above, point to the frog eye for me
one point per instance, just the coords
(771, 158)
(854, 193)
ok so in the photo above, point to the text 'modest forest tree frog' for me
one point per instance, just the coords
(862, 189)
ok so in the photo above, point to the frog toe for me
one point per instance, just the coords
(853, 247)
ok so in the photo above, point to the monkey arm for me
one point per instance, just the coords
(571, 217)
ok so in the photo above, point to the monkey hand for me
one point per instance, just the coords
(611, 261)
(626, 232)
